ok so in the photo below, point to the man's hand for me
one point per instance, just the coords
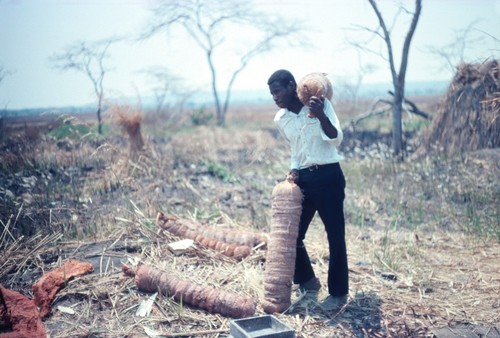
(292, 176)
(316, 105)
(316, 110)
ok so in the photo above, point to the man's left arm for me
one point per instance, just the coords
(317, 106)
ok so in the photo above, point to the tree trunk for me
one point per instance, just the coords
(221, 120)
(397, 126)
(99, 109)
(218, 111)
(99, 121)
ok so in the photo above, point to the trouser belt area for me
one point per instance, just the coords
(317, 167)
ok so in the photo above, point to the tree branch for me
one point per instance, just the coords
(409, 36)
(413, 108)
(387, 38)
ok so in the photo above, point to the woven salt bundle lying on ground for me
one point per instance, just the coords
(205, 297)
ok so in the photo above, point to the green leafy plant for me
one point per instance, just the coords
(201, 117)
(219, 171)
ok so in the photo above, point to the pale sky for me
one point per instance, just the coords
(33, 30)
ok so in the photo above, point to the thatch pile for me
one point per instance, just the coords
(468, 118)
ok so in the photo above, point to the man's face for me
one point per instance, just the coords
(282, 95)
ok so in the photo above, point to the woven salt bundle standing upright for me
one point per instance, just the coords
(281, 248)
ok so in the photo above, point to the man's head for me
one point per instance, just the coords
(283, 88)
(283, 76)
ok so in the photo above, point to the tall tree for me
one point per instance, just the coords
(398, 77)
(214, 23)
(87, 58)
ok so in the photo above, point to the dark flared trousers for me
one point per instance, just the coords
(324, 191)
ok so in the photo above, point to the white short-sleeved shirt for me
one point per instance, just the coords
(309, 144)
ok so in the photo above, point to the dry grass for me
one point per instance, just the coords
(422, 236)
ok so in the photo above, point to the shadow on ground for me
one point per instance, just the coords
(361, 316)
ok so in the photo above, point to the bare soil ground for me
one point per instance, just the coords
(423, 235)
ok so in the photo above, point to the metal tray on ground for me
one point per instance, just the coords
(260, 327)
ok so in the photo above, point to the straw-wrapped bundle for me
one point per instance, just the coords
(233, 236)
(281, 249)
(211, 237)
(204, 297)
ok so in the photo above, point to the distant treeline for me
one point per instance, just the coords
(252, 96)
(46, 111)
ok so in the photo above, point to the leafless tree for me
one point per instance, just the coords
(214, 23)
(164, 84)
(454, 53)
(398, 76)
(3, 73)
(170, 94)
(87, 58)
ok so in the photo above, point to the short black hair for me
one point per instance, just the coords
(283, 76)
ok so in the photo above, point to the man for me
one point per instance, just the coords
(315, 168)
